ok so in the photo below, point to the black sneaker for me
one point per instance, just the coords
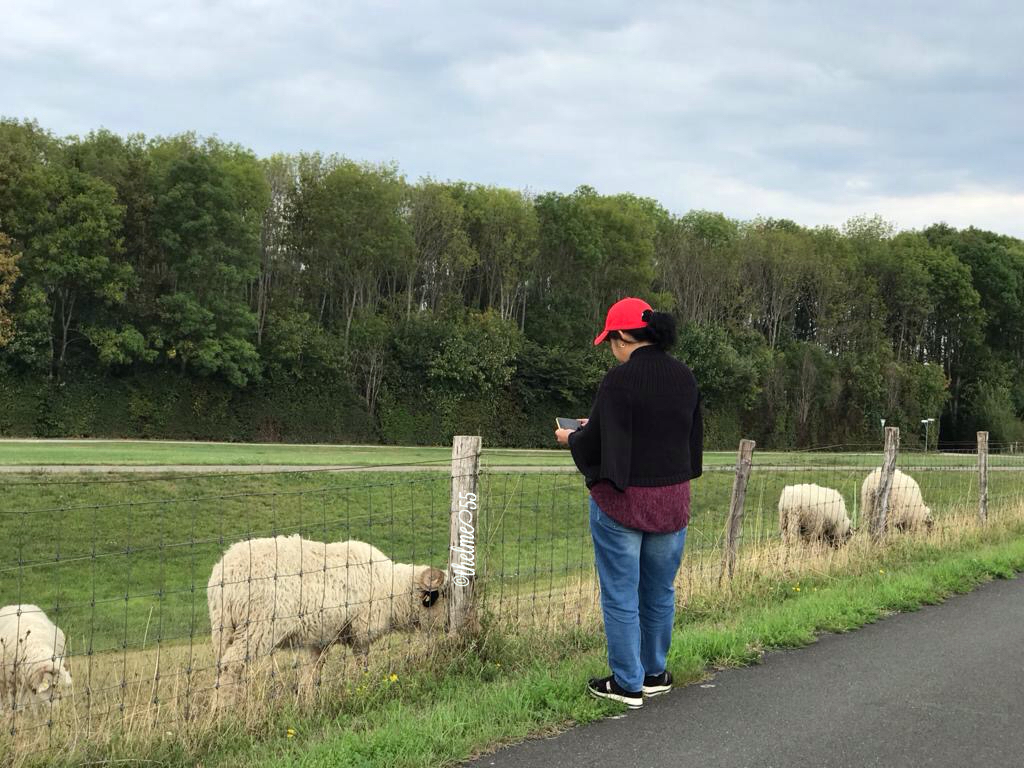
(607, 688)
(656, 684)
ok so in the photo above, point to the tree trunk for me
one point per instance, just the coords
(67, 307)
(262, 305)
(349, 314)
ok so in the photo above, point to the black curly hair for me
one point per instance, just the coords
(659, 331)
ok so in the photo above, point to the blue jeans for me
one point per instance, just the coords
(638, 598)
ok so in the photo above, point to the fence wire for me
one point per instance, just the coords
(117, 621)
(108, 583)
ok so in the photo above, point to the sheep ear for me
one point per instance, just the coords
(431, 580)
(45, 685)
(429, 598)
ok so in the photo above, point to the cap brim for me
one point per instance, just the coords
(601, 337)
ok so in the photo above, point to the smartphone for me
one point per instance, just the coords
(564, 423)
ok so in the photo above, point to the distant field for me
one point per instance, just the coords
(168, 453)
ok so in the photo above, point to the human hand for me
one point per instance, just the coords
(583, 422)
(562, 436)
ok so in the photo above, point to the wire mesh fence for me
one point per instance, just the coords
(139, 605)
(124, 571)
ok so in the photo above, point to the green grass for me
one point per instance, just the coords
(120, 559)
(121, 562)
(154, 452)
(143, 452)
(506, 689)
(467, 714)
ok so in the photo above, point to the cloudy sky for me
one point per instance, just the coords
(816, 111)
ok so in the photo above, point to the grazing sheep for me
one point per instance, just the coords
(288, 591)
(907, 510)
(813, 513)
(32, 665)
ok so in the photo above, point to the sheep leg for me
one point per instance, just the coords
(245, 644)
(792, 526)
(318, 658)
(818, 529)
(359, 632)
(230, 672)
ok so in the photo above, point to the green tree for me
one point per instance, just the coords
(67, 224)
(8, 275)
(502, 229)
(444, 256)
(775, 256)
(350, 228)
(594, 250)
(210, 198)
(697, 261)
(178, 268)
(275, 266)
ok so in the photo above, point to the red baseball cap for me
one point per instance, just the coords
(624, 315)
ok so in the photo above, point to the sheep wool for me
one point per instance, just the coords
(907, 510)
(33, 670)
(812, 512)
(269, 593)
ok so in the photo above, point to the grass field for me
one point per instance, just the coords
(163, 453)
(121, 560)
(451, 700)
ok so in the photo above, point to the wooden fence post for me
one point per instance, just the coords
(881, 505)
(734, 531)
(462, 548)
(983, 477)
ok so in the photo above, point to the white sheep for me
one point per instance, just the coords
(33, 670)
(907, 510)
(288, 591)
(813, 513)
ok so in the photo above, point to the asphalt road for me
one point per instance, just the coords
(940, 687)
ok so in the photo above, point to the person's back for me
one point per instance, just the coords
(663, 407)
(638, 450)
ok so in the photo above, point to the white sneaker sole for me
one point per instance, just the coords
(656, 690)
(628, 701)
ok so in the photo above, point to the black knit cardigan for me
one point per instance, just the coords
(645, 427)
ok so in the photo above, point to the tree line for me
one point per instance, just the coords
(184, 287)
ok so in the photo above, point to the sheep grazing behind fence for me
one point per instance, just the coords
(33, 670)
(812, 512)
(907, 510)
(288, 591)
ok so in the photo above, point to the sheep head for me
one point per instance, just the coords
(46, 681)
(429, 596)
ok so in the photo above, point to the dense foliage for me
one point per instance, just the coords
(183, 287)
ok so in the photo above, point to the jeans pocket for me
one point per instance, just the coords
(601, 517)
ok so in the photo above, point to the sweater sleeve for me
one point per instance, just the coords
(617, 437)
(697, 440)
(585, 445)
(602, 449)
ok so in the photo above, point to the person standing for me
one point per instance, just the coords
(638, 451)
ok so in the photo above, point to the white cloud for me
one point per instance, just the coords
(811, 111)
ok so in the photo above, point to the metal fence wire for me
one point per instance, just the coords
(135, 606)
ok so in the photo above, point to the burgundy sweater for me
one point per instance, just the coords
(654, 509)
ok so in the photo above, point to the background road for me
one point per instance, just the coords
(940, 687)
